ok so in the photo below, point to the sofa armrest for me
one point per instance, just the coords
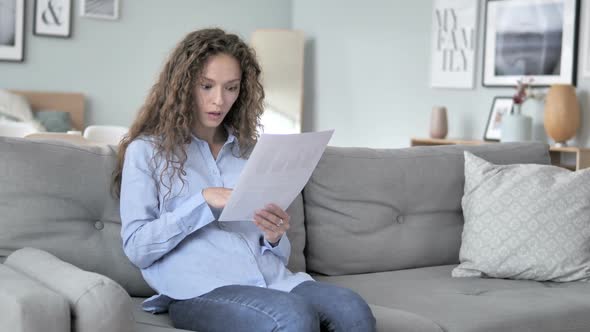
(96, 302)
(28, 306)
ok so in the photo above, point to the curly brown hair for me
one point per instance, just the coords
(168, 113)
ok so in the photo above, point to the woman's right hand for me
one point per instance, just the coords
(217, 197)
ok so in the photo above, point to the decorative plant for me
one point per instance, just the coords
(524, 91)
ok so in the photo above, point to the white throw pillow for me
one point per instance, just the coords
(525, 221)
(15, 107)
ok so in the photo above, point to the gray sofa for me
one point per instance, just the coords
(384, 222)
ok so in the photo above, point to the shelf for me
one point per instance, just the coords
(580, 156)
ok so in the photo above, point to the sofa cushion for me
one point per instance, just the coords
(56, 196)
(144, 317)
(389, 319)
(97, 303)
(26, 305)
(472, 304)
(525, 222)
(370, 210)
(296, 235)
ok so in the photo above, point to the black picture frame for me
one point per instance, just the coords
(500, 106)
(530, 39)
(12, 31)
(53, 18)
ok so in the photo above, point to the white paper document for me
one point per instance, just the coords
(276, 172)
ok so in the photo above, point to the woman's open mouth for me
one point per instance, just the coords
(214, 115)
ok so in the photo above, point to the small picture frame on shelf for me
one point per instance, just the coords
(100, 9)
(500, 107)
(534, 39)
(12, 26)
(53, 18)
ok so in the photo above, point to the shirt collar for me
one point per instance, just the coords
(230, 135)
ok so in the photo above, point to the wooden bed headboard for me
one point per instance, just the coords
(70, 102)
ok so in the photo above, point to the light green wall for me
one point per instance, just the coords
(367, 64)
(368, 75)
(114, 63)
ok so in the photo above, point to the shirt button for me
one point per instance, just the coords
(99, 225)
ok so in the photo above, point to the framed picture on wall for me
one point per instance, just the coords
(12, 26)
(533, 39)
(453, 45)
(586, 43)
(53, 18)
(500, 107)
(102, 9)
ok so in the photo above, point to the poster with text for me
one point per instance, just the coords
(454, 43)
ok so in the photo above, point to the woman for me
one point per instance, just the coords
(182, 155)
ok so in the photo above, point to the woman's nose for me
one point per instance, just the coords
(218, 97)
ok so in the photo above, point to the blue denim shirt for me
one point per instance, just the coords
(177, 242)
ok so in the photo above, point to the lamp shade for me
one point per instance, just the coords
(562, 113)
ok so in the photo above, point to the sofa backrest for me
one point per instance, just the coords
(370, 210)
(56, 196)
(365, 210)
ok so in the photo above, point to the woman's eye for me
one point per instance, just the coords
(206, 86)
(233, 88)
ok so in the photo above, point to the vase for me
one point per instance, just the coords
(516, 127)
(438, 122)
(535, 109)
(562, 113)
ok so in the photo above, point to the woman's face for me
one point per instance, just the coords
(216, 90)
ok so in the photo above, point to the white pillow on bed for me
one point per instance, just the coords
(15, 107)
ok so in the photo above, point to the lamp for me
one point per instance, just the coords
(562, 113)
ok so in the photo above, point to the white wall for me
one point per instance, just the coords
(115, 62)
(368, 75)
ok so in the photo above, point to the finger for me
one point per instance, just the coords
(265, 214)
(267, 232)
(275, 226)
(267, 226)
(277, 211)
(270, 225)
(282, 223)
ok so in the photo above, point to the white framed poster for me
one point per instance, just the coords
(454, 43)
(12, 23)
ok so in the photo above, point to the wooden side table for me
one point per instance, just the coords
(580, 155)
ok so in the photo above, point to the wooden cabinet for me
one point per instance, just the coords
(570, 157)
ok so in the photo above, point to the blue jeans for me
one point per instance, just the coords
(307, 307)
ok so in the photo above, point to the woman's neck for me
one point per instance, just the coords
(212, 135)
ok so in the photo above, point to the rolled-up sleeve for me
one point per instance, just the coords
(148, 234)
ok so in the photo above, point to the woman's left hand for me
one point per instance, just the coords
(273, 222)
